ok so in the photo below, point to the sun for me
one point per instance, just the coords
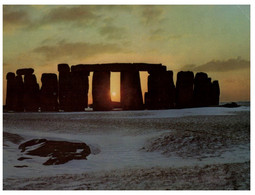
(113, 94)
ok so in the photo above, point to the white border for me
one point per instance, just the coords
(138, 2)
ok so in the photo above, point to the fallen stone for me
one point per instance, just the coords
(59, 152)
(230, 105)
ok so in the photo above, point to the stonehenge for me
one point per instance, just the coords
(80, 87)
(131, 93)
(69, 90)
(202, 89)
(49, 92)
(161, 90)
(215, 93)
(184, 89)
(11, 91)
(65, 87)
(22, 94)
(101, 91)
(25, 71)
(31, 92)
(19, 97)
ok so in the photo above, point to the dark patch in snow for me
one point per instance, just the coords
(11, 137)
(59, 152)
(23, 158)
(20, 166)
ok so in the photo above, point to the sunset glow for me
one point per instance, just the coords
(113, 94)
(210, 38)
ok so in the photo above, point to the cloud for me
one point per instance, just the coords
(113, 32)
(175, 37)
(78, 50)
(78, 16)
(151, 14)
(18, 16)
(190, 67)
(161, 35)
(220, 66)
(75, 14)
(117, 8)
(156, 35)
(13, 19)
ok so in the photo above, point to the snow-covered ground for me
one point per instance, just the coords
(179, 141)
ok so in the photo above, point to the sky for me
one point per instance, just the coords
(201, 38)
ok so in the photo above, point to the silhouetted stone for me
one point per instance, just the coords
(131, 93)
(25, 71)
(63, 68)
(73, 88)
(202, 90)
(19, 99)
(80, 83)
(59, 152)
(65, 88)
(210, 92)
(101, 91)
(161, 90)
(184, 89)
(10, 76)
(31, 93)
(118, 67)
(215, 93)
(10, 91)
(49, 92)
(116, 104)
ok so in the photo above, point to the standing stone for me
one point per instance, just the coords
(19, 100)
(49, 92)
(80, 83)
(161, 90)
(202, 90)
(210, 92)
(131, 93)
(66, 100)
(184, 89)
(11, 91)
(31, 93)
(215, 93)
(101, 91)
